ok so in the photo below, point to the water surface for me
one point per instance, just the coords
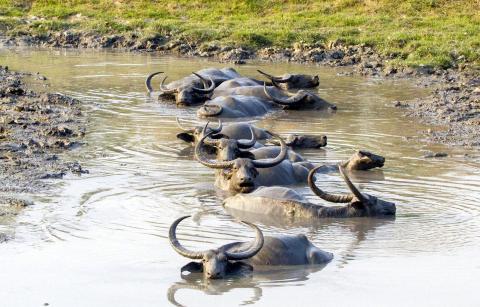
(101, 239)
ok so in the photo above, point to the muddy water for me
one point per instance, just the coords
(101, 239)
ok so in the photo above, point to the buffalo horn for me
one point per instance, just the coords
(148, 81)
(252, 250)
(276, 79)
(172, 236)
(334, 198)
(265, 163)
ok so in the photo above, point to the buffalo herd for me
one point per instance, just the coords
(258, 168)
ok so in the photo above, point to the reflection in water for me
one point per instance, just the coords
(114, 221)
(261, 278)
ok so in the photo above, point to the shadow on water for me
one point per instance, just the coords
(259, 279)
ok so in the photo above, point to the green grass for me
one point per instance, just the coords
(415, 32)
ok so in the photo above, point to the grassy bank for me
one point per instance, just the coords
(414, 32)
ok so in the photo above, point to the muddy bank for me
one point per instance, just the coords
(363, 58)
(453, 105)
(36, 130)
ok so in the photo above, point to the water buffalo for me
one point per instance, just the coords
(284, 202)
(303, 141)
(301, 100)
(241, 257)
(293, 81)
(363, 160)
(195, 88)
(251, 101)
(245, 174)
(286, 82)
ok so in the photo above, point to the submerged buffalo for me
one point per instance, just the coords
(252, 101)
(245, 174)
(284, 202)
(285, 82)
(301, 100)
(241, 257)
(195, 88)
(293, 81)
(303, 141)
(361, 160)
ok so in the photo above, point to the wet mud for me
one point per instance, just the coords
(37, 131)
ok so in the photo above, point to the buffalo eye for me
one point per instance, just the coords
(227, 173)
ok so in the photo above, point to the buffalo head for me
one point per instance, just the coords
(363, 160)
(187, 93)
(229, 149)
(293, 81)
(304, 141)
(300, 100)
(359, 204)
(239, 174)
(216, 263)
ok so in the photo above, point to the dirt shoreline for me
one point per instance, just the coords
(36, 131)
(454, 103)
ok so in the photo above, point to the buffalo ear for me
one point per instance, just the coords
(365, 159)
(185, 136)
(358, 205)
(219, 136)
(246, 154)
(192, 267)
(239, 268)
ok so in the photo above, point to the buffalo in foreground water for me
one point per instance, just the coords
(241, 257)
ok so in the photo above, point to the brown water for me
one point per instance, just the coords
(101, 239)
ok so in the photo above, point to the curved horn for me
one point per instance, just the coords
(264, 163)
(253, 249)
(204, 81)
(172, 236)
(181, 127)
(218, 129)
(165, 90)
(247, 144)
(351, 186)
(148, 81)
(199, 156)
(210, 141)
(334, 198)
(292, 100)
(275, 79)
(205, 84)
